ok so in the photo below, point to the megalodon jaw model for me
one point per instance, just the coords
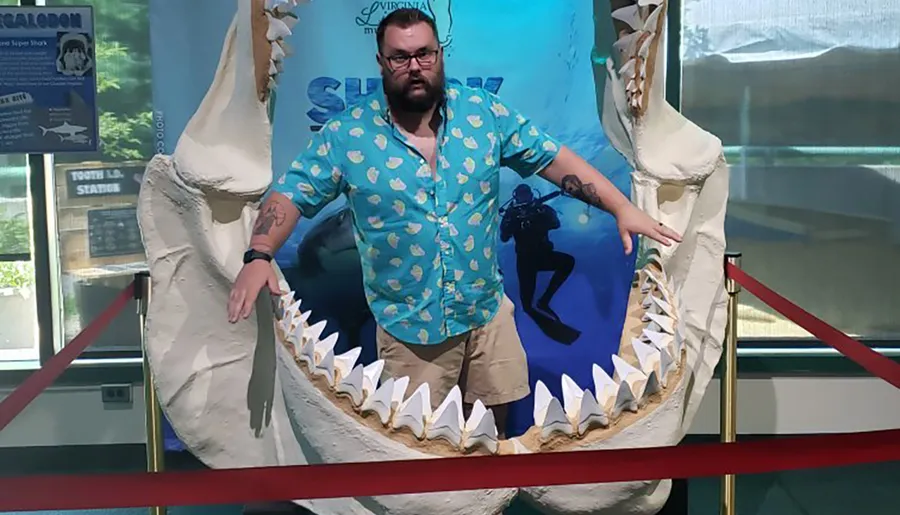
(270, 390)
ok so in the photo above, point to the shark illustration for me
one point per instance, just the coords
(63, 130)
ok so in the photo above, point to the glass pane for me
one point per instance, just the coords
(18, 308)
(807, 111)
(96, 194)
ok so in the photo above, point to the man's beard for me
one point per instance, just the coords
(400, 98)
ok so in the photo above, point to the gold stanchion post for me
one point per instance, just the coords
(728, 394)
(152, 412)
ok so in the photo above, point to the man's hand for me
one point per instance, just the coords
(254, 276)
(632, 220)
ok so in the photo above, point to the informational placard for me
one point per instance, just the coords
(113, 232)
(104, 182)
(48, 80)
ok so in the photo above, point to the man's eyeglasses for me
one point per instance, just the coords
(425, 58)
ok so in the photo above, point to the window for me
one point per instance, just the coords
(99, 243)
(18, 308)
(804, 98)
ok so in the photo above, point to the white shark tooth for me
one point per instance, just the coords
(307, 352)
(653, 19)
(325, 367)
(345, 362)
(659, 340)
(661, 307)
(400, 387)
(605, 389)
(625, 400)
(273, 68)
(380, 401)
(646, 44)
(625, 44)
(277, 29)
(518, 447)
(652, 387)
(590, 414)
(326, 345)
(352, 385)
(629, 14)
(648, 356)
(666, 365)
(302, 318)
(289, 19)
(447, 420)
(571, 397)
(659, 323)
(314, 332)
(481, 429)
(277, 52)
(647, 283)
(414, 412)
(626, 372)
(372, 376)
(627, 70)
(549, 414)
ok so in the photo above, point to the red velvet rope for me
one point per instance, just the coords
(37, 382)
(227, 486)
(875, 363)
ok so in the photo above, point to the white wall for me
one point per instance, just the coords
(784, 405)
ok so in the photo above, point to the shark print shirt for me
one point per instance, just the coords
(427, 238)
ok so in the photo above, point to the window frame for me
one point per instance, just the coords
(770, 356)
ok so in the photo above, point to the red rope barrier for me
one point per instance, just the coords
(878, 365)
(233, 486)
(225, 486)
(37, 382)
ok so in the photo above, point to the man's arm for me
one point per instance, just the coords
(529, 150)
(579, 179)
(277, 218)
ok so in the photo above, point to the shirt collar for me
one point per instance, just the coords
(385, 110)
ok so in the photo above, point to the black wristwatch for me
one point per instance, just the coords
(253, 254)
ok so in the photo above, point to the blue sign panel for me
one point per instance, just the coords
(48, 80)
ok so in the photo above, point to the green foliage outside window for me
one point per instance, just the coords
(15, 239)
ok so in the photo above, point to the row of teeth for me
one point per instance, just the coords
(642, 17)
(386, 400)
(657, 351)
(281, 21)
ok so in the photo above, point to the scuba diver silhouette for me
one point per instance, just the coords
(529, 221)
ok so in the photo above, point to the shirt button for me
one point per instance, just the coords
(443, 220)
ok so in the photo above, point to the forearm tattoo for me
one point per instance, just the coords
(587, 193)
(272, 216)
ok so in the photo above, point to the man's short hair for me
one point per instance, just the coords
(403, 18)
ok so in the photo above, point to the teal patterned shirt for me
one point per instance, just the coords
(427, 241)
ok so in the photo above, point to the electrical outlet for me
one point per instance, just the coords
(116, 393)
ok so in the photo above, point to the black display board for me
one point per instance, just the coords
(113, 232)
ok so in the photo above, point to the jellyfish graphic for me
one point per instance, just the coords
(442, 13)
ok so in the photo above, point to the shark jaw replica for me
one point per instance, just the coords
(270, 390)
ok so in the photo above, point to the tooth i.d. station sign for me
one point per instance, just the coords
(48, 84)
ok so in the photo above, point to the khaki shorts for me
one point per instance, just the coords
(487, 363)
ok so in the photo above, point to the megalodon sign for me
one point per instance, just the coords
(621, 354)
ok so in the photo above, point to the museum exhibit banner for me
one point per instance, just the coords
(540, 58)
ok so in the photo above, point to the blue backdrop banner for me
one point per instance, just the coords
(538, 56)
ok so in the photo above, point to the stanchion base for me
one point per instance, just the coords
(275, 508)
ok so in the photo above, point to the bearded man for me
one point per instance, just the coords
(419, 164)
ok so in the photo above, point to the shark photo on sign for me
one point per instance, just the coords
(67, 132)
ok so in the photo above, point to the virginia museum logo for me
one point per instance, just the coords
(440, 10)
